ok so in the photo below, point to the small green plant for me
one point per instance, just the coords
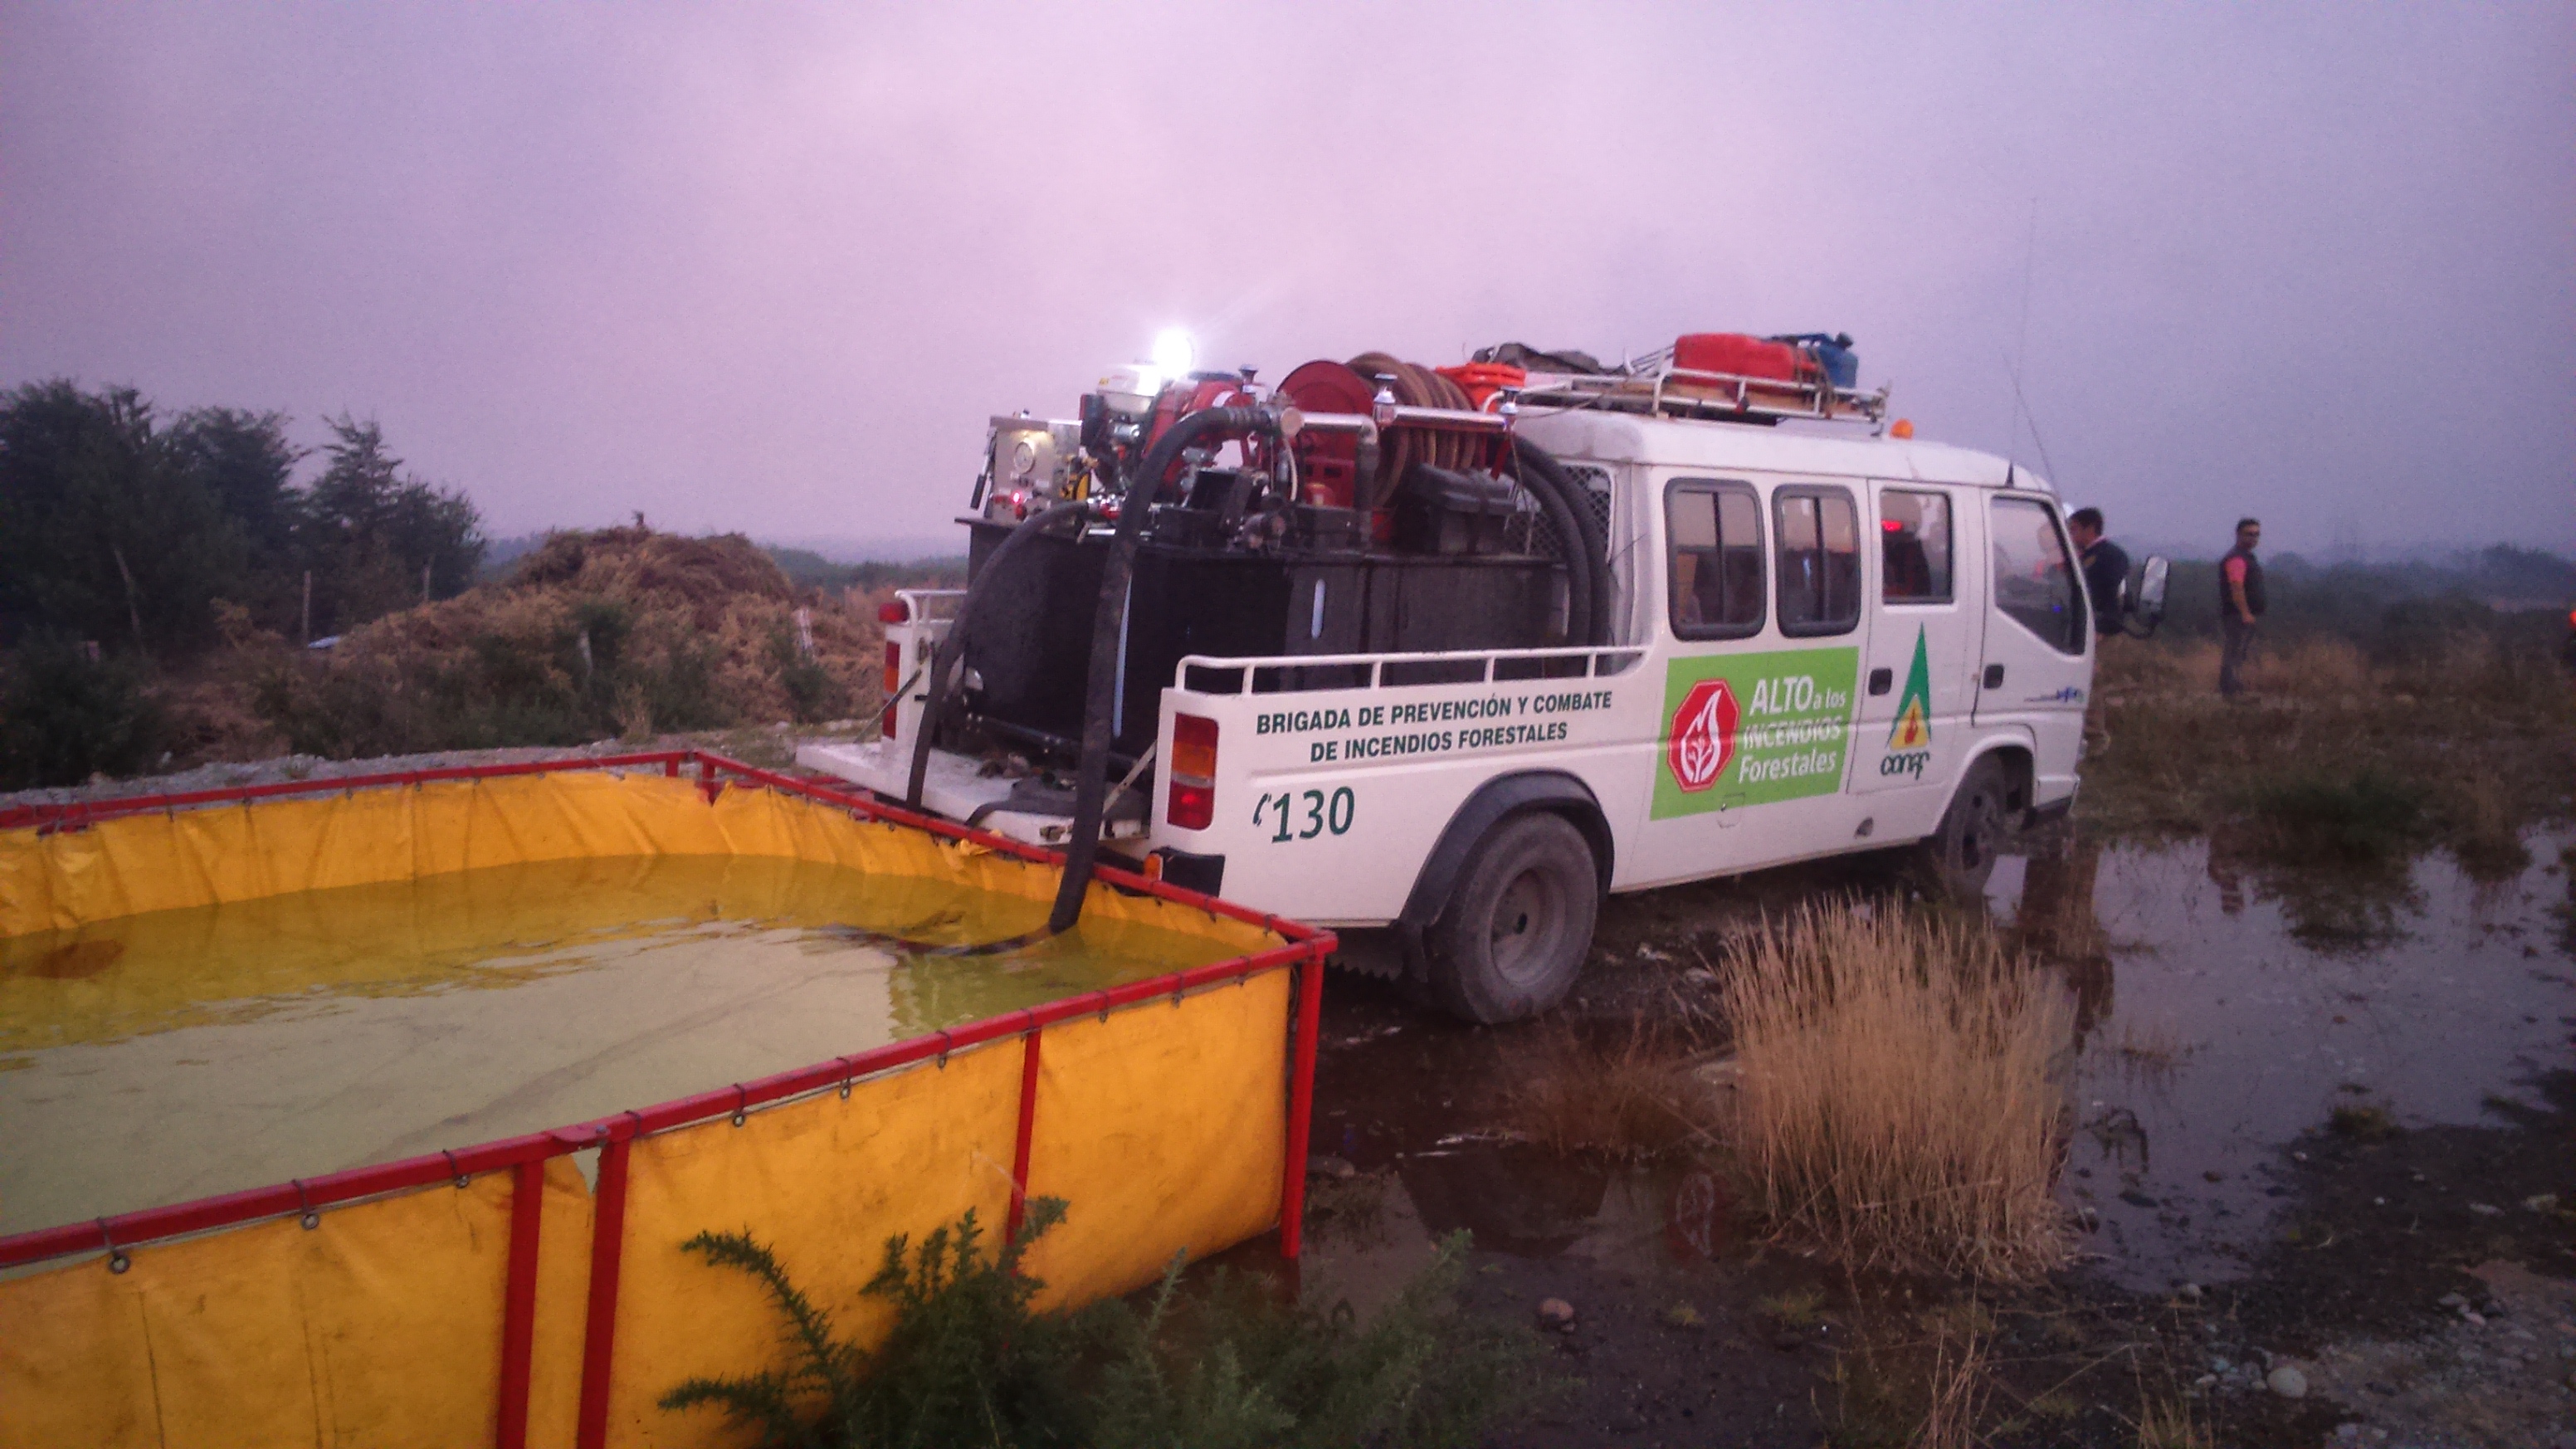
(1223, 1365)
(1797, 1308)
(813, 695)
(2056, 1406)
(966, 1362)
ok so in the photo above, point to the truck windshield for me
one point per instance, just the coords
(2034, 586)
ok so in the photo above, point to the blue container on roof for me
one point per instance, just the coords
(1833, 351)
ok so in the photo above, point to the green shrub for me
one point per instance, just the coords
(1224, 1366)
(2367, 819)
(813, 695)
(65, 716)
(966, 1362)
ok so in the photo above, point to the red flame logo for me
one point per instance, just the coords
(1702, 735)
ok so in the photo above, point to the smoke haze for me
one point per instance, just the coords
(770, 267)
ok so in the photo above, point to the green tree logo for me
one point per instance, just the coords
(1913, 728)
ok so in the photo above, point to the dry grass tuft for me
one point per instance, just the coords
(2167, 1423)
(1927, 1393)
(1630, 1098)
(2314, 668)
(2160, 1045)
(1903, 1095)
(2486, 830)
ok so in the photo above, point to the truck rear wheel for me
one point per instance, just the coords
(1961, 854)
(1513, 936)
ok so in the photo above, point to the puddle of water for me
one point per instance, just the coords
(2226, 1010)
(174, 1055)
(2223, 1011)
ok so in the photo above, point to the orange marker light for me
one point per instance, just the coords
(1192, 805)
(1904, 428)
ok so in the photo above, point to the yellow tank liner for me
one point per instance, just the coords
(489, 1294)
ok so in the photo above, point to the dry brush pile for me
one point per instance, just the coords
(619, 632)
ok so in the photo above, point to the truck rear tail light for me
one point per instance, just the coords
(893, 681)
(894, 611)
(1193, 802)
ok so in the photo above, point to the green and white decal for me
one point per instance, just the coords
(1909, 739)
(1751, 729)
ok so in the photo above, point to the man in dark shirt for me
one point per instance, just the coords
(2106, 569)
(2240, 603)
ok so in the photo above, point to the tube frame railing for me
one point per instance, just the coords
(525, 1156)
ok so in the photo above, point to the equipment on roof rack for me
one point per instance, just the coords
(1730, 376)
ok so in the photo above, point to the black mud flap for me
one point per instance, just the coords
(1202, 873)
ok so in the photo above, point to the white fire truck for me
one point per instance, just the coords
(1439, 657)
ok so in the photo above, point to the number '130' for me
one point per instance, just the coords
(1303, 815)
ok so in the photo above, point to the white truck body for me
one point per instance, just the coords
(1736, 722)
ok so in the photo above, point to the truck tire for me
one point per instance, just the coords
(1960, 855)
(1515, 932)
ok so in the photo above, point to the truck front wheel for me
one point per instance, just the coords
(1514, 934)
(1961, 854)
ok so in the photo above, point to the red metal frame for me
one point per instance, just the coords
(519, 1302)
(607, 1257)
(1019, 1212)
(525, 1157)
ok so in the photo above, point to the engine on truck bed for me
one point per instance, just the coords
(1387, 511)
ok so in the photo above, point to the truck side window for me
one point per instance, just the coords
(1716, 574)
(2034, 586)
(1913, 546)
(1819, 556)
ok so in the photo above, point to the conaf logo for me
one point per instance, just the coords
(1913, 727)
(1703, 735)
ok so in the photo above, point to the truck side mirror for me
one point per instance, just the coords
(2145, 587)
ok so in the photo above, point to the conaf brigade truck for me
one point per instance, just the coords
(1440, 657)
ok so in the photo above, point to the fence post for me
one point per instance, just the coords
(607, 1249)
(1028, 1129)
(1301, 1099)
(519, 1301)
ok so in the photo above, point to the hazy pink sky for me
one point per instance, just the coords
(770, 267)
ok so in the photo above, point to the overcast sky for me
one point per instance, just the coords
(770, 267)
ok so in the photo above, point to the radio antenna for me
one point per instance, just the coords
(2021, 338)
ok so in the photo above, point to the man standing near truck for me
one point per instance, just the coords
(2240, 603)
(2106, 570)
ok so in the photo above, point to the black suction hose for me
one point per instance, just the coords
(1091, 782)
(952, 648)
(1588, 577)
(1579, 613)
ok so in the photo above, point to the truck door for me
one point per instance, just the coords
(2038, 655)
(1919, 681)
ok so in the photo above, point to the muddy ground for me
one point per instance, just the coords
(2327, 1124)
(2407, 1262)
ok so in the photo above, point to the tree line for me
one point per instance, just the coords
(122, 528)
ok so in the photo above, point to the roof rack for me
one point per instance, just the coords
(1651, 384)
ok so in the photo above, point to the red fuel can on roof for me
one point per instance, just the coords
(1739, 355)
